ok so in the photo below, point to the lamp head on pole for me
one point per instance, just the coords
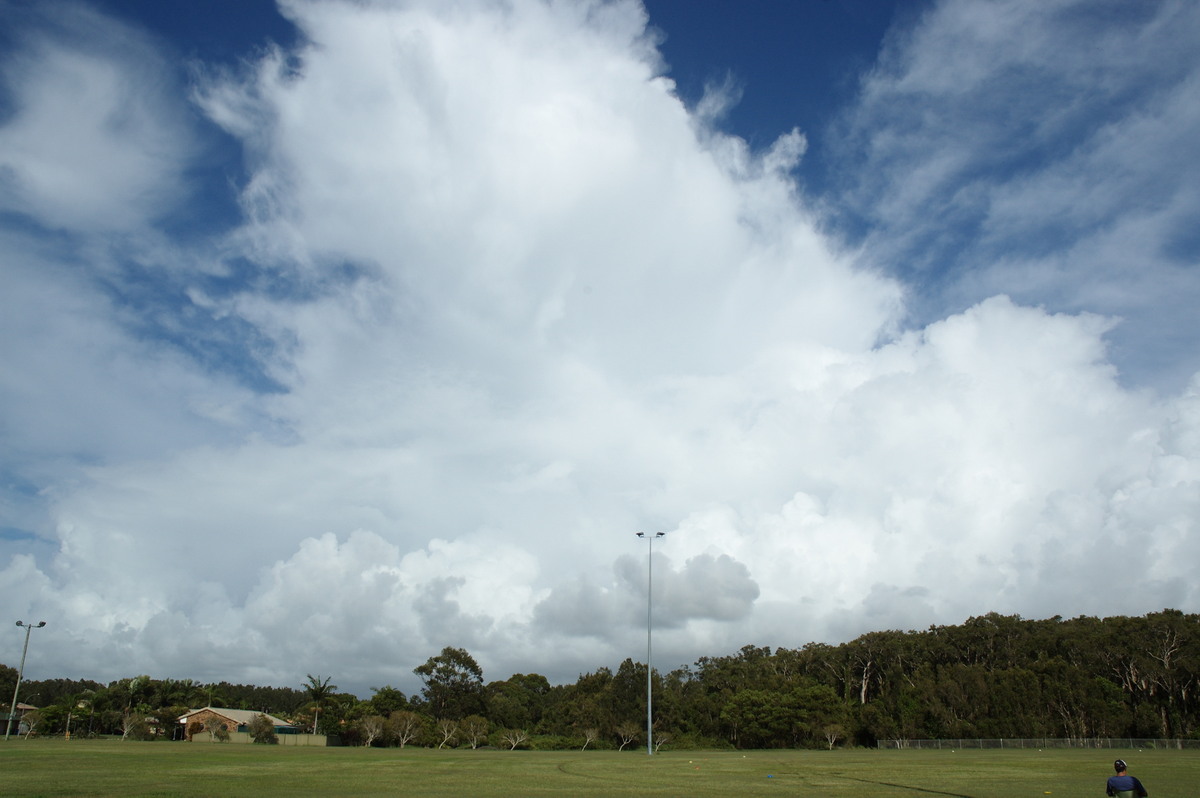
(639, 534)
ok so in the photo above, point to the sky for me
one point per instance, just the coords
(334, 333)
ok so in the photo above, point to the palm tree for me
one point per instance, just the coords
(319, 691)
(180, 692)
(215, 697)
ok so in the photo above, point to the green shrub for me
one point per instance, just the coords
(554, 742)
(262, 730)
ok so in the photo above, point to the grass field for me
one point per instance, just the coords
(112, 768)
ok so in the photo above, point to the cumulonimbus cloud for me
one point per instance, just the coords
(515, 303)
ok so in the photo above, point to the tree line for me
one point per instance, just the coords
(993, 676)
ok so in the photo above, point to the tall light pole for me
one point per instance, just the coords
(649, 667)
(12, 710)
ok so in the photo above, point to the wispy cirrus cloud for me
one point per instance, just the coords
(986, 156)
(97, 138)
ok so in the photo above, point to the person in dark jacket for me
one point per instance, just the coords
(1123, 785)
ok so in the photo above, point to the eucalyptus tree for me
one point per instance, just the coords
(404, 726)
(474, 729)
(519, 701)
(453, 685)
(371, 728)
(386, 700)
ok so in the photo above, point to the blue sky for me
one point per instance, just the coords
(335, 333)
(795, 64)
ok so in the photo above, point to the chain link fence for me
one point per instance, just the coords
(1040, 742)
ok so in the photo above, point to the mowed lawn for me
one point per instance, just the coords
(113, 768)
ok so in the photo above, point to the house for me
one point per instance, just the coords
(21, 726)
(235, 720)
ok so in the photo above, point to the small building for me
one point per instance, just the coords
(21, 726)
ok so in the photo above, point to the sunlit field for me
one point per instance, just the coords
(113, 768)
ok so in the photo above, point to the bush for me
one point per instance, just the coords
(697, 742)
(554, 742)
(262, 730)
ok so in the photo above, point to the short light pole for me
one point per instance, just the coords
(12, 710)
(649, 667)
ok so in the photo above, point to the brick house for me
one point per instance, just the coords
(235, 720)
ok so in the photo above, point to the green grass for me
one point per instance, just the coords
(112, 768)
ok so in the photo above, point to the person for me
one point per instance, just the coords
(1123, 785)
